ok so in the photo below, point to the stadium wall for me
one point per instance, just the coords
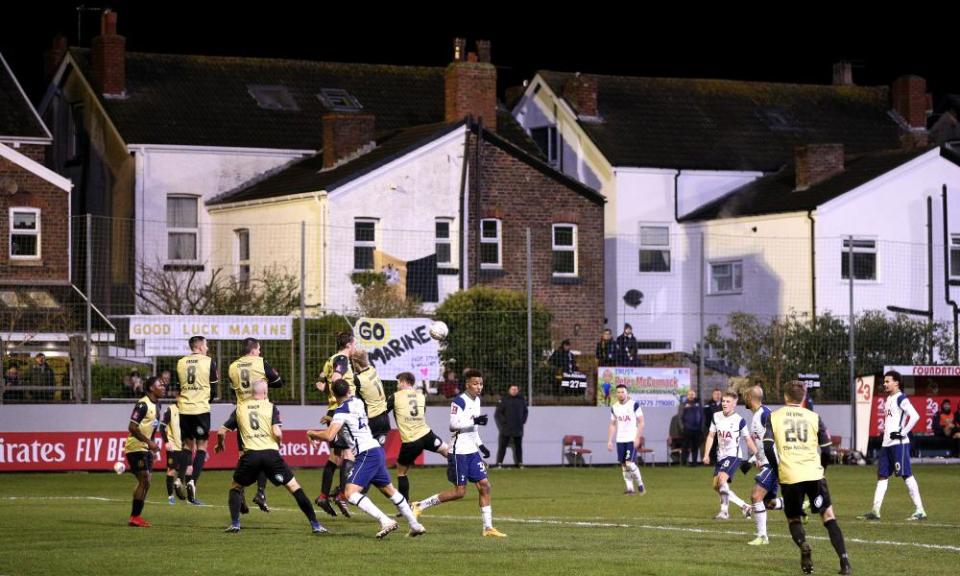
(544, 430)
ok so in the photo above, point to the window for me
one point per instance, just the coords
(24, 233)
(726, 277)
(275, 97)
(545, 138)
(654, 248)
(490, 245)
(864, 259)
(955, 255)
(182, 231)
(243, 256)
(339, 100)
(444, 241)
(654, 345)
(364, 244)
(565, 250)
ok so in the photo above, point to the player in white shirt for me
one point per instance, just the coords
(463, 462)
(370, 465)
(626, 421)
(728, 428)
(894, 459)
(764, 494)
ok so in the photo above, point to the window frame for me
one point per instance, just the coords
(37, 232)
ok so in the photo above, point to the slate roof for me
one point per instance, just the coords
(776, 193)
(727, 124)
(17, 116)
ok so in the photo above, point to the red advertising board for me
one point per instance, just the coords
(51, 451)
(927, 406)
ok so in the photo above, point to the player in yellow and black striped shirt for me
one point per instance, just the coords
(336, 368)
(140, 445)
(409, 408)
(243, 372)
(257, 422)
(802, 452)
(198, 377)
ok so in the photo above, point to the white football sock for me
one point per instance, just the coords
(735, 499)
(878, 495)
(403, 507)
(760, 516)
(367, 505)
(486, 512)
(628, 479)
(914, 492)
(635, 473)
(430, 502)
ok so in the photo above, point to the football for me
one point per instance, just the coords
(439, 330)
(120, 467)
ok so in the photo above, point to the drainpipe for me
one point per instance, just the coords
(813, 268)
(946, 271)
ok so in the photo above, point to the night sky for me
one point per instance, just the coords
(787, 48)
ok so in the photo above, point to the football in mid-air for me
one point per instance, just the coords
(439, 330)
(120, 467)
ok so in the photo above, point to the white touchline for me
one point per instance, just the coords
(577, 523)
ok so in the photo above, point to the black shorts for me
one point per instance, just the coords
(793, 494)
(380, 426)
(409, 451)
(140, 462)
(195, 426)
(252, 463)
(177, 459)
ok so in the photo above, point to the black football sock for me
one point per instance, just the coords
(836, 538)
(198, 459)
(137, 507)
(305, 505)
(235, 500)
(262, 483)
(345, 468)
(404, 485)
(169, 485)
(797, 532)
(328, 471)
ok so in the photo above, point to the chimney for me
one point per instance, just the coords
(581, 93)
(816, 163)
(58, 51)
(470, 85)
(108, 57)
(344, 135)
(843, 74)
(908, 96)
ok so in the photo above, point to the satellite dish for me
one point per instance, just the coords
(9, 186)
(633, 298)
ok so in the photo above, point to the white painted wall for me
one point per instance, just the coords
(203, 172)
(405, 198)
(891, 209)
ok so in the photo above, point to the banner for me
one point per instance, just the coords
(928, 407)
(648, 386)
(211, 327)
(398, 345)
(91, 451)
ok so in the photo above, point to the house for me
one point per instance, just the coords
(147, 139)
(446, 205)
(660, 148)
(784, 241)
(40, 310)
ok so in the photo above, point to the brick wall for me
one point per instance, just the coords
(522, 196)
(35, 192)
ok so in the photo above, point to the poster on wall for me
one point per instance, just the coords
(648, 386)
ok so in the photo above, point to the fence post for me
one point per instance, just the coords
(853, 373)
(89, 289)
(529, 320)
(703, 301)
(303, 312)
